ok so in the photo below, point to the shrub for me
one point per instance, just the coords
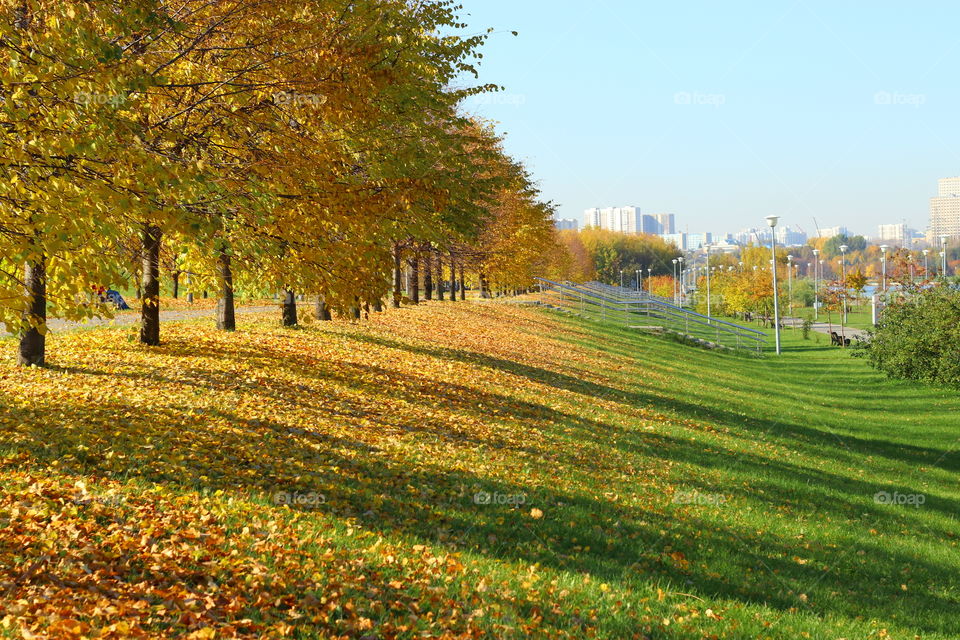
(919, 338)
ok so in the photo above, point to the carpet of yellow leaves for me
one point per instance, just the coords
(143, 489)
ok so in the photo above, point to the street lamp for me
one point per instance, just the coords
(926, 265)
(772, 221)
(674, 281)
(621, 278)
(639, 280)
(790, 288)
(816, 286)
(680, 284)
(943, 254)
(649, 279)
(883, 253)
(707, 249)
(843, 278)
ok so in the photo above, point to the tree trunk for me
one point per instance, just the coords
(355, 309)
(226, 311)
(289, 309)
(323, 311)
(453, 278)
(463, 289)
(176, 284)
(33, 342)
(397, 276)
(428, 275)
(439, 276)
(415, 278)
(150, 303)
(484, 285)
(378, 305)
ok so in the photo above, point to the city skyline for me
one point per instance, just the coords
(725, 121)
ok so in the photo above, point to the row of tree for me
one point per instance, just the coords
(309, 148)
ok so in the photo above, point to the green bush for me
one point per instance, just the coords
(919, 339)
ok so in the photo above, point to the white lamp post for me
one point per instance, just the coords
(674, 281)
(621, 278)
(790, 288)
(649, 279)
(883, 254)
(926, 264)
(772, 221)
(707, 249)
(843, 278)
(680, 284)
(639, 280)
(943, 254)
(816, 286)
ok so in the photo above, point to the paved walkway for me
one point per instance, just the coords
(127, 318)
(823, 327)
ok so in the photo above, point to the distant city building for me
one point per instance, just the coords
(679, 240)
(829, 232)
(566, 224)
(945, 211)
(688, 241)
(666, 222)
(789, 237)
(896, 234)
(627, 220)
(752, 236)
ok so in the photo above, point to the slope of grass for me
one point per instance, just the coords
(470, 470)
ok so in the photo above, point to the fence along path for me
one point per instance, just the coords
(641, 310)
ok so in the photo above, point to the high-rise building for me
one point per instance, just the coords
(752, 236)
(945, 211)
(592, 218)
(790, 237)
(621, 219)
(666, 222)
(829, 232)
(896, 234)
(564, 224)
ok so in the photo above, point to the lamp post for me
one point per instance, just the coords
(707, 249)
(649, 279)
(772, 221)
(674, 281)
(816, 286)
(621, 278)
(926, 264)
(790, 288)
(943, 254)
(680, 284)
(639, 280)
(843, 279)
(883, 254)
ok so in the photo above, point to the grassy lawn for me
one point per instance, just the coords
(467, 470)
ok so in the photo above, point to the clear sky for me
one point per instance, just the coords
(847, 111)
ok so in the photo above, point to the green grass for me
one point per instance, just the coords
(673, 480)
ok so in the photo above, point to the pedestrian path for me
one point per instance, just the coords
(823, 327)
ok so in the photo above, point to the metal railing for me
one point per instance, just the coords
(640, 310)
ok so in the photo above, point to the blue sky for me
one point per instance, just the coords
(723, 113)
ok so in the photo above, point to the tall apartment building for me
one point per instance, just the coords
(625, 220)
(829, 232)
(787, 236)
(896, 234)
(665, 223)
(564, 224)
(945, 211)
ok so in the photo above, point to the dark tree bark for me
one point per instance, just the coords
(226, 310)
(176, 284)
(484, 285)
(453, 278)
(463, 289)
(289, 309)
(354, 310)
(378, 305)
(439, 276)
(415, 278)
(397, 277)
(323, 311)
(33, 343)
(428, 275)
(150, 302)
